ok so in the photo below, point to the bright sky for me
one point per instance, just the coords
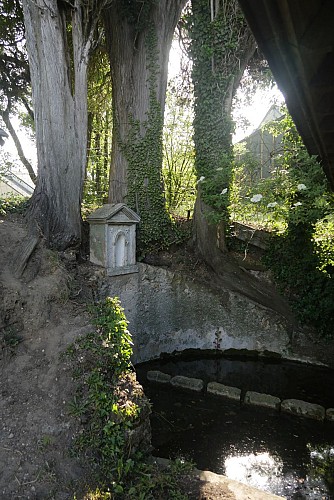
(9, 151)
(253, 112)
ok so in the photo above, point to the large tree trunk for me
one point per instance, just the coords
(60, 107)
(220, 56)
(139, 37)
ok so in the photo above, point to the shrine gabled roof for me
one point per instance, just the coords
(118, 213)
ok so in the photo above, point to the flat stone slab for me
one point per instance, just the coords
(159, 377)
(221, 487)
(260, 399)
(191, 384)
(303, 409)
(234, 490)
(224, 391)
(330, 414)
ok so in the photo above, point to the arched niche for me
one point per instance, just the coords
(120, 249)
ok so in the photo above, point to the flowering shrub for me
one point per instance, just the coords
(295, 204)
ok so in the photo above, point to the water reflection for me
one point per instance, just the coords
(279, 453)
(282, 379)
(266, 472)
(261, 470)
(322, 465)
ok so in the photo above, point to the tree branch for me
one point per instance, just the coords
(24, 160)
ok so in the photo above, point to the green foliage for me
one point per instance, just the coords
(99, 136)
(108, 403)
(217, 43)
(271, 211)
(296, 184)
(13, 204)
(145, 193)
(150, 482)
(143, 151)
(103, 358)
(178, 160)
(323, 239)
(322, 464)
(14, 67)
(136, 13)
(296, 204)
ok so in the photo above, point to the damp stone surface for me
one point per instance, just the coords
(303, 409)
(224, 391)
(265, 400)
(191, 384)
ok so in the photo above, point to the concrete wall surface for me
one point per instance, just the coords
(168, 312)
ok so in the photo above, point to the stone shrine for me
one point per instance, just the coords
(113, 238)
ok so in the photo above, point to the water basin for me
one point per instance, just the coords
(275, 452)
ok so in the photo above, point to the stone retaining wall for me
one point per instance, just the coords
(293, 406)
(170, 313)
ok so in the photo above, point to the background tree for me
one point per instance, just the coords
(178, 146)
(15, 89)
(139, 36)
(60, 36)
(99, 142)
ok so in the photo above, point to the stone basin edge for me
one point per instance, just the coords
(292, 406)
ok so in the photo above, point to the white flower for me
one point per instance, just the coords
(201, 179)
(224, 191)
(297, 204)
(301, 187)
(220, 168)
(256, 198)
(272, 204)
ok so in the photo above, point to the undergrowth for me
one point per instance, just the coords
(110, 405)
(13, 204)
(295, 202)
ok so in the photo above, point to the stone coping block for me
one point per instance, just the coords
(303, 409)
(159, 377)
(224, 390)
(260, 399)
(222, 486)
(191, 384)
(330, 414)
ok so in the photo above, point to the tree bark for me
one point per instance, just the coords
(131, 69)
(216, 75)
(60, 109)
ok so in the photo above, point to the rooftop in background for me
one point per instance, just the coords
(262, 144)
(11, 184)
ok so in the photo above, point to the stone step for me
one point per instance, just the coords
(260, 399)
(303, 409)
(191, 384)
(158, 376)
(224, 391)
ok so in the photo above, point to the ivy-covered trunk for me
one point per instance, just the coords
(221, 46)
(139, 36)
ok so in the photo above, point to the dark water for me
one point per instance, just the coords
(283, 454)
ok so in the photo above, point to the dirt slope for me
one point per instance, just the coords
(36, 386)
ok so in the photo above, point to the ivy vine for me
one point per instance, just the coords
(143, 152)
(216, 48)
